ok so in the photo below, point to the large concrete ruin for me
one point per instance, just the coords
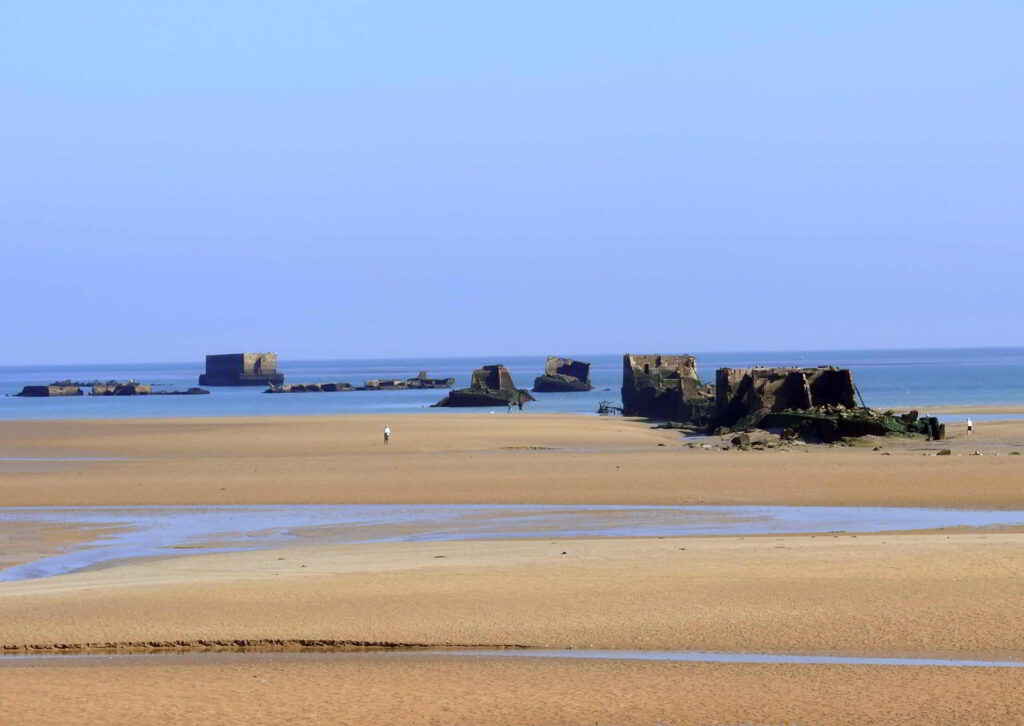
(741, 392)
(489, 386)
(241, 369)
(563, 375)
(817, 403)
(666, 387)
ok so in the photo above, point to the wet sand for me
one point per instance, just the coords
(485, 459)
(304, 689)
(922, 595)
(950, 594)
(130, 534)
(22, 542)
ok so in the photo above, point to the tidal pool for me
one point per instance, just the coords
(147, 532)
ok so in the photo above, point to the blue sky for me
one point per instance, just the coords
(352, 179)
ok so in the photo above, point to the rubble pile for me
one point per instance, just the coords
(310, 388)
(400, 384)
(830, 423)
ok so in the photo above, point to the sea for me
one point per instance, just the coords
(886, 379)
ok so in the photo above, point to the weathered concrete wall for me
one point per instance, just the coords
(241, 369)
(816, 404)
(563, 375)
(664, 386)
(555, 366)
(740, 392)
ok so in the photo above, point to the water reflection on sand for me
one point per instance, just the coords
(146, 532)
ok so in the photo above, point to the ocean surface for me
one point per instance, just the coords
(886, 378)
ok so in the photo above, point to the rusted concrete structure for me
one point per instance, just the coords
(489, 386)
(241, 369)
(665, 387)
(743, 391)
(563, 375)
(50, 391)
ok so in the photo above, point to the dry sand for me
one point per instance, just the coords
(951, 594)
(419, 690)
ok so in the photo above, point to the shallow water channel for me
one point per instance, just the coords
(125, 533)
(664, 656)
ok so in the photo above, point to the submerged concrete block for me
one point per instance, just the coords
(49, 391)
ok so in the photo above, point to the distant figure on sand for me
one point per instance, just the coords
(970, 427)
(387, 434)
(510, 405)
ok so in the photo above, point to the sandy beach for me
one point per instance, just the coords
(439, 691)
(481, 459)
(938, 594)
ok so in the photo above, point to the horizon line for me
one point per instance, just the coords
(201, 361)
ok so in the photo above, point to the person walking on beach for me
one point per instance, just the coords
(387, 434)
(970, 427)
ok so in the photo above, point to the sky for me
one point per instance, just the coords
(401, 179)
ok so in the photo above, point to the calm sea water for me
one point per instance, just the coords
(886, 378)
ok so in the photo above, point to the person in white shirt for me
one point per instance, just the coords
(970, 427)
(387, 434)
